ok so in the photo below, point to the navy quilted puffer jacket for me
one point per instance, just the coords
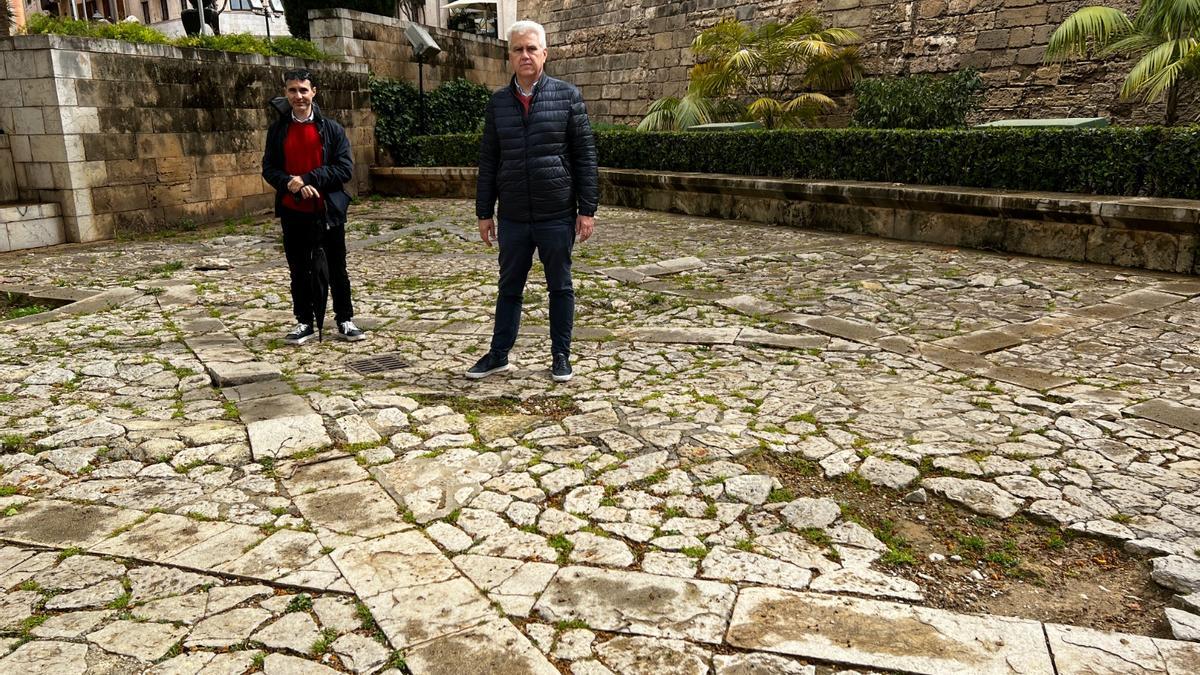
(540, 166)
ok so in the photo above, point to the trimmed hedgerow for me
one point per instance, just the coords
(130, 31)
(1149, 161)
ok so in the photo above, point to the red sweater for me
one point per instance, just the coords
(302, 152)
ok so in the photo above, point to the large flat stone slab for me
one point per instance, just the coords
(981, 342)
(691, 336)
(672, 266)
(64, 524)
(495, 647)
(362, 509)
(285, 436)
(414, 592)
(232, 374)
(1169, 413)
(46, 657)
(278, 555)
(1084, 651)
(754, 336)
(886, 635)
(639, 603)
(271, 407)
(160, 537)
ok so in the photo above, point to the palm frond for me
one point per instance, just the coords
(1161, 67)
(693, 110)
(837, 73)
(810, 101)
(1169, 18)
(660, 116)
(1100, 25)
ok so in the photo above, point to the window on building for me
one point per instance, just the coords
(146, 11)
(166, 9)
(243, 5)
(183, 4)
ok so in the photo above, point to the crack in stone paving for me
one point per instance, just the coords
(645, 483)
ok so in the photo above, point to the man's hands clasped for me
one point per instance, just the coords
(296, 186)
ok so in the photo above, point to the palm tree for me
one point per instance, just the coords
(764, 65)
(1164, 36)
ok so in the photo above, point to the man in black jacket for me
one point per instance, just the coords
(308, 162)
(538, 159)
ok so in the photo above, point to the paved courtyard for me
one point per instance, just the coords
(782, 452)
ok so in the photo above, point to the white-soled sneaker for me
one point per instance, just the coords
(349, 332)
(303, 332)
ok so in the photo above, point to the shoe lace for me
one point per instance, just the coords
(560, 361)
(299, 329)
(348, 327)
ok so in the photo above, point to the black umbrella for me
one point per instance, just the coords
(319, 273)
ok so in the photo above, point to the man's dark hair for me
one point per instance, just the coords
(300, 75)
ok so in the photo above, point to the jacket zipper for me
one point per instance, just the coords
(525, 134)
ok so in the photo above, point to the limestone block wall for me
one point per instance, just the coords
(626, 53)
(8, 175)
(136, 136)
(379, 42)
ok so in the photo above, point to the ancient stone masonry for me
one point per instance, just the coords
(626, 53)
(379, 42)
(135, 136)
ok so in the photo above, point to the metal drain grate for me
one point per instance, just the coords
(377, 364)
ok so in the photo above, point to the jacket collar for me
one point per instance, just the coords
(515, 89)
(286, 116)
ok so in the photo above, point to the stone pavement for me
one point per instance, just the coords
(183, 493)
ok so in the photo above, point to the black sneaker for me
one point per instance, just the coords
(490, 363)
(349, 332)
(303, 332)
(561, 368)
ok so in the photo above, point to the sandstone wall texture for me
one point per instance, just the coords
(130, 137)
(626, 53)
(379, 42)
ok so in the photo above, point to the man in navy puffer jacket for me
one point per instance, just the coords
(538, 159)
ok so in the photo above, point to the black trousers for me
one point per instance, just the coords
(553, 241)
(301, 232)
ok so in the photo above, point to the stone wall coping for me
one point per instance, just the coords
(1167, 215)
(364, 17)
(105, 46)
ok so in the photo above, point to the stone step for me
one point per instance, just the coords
(25, 226)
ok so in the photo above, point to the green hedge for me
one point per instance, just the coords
(129, 31)
(1148, 161)
(456, 106)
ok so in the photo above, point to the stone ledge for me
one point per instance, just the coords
(1157, 234)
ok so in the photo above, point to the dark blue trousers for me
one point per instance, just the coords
(553, 241)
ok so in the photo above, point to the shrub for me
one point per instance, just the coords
(130, 31)
(395, 105)
(454, 107)
(127, 31)
(1146, 161)
(296, 11)
(917, 101)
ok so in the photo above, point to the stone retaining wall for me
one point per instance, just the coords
(626, 53)
(379, 42)
(132, 137)
(1156, 234)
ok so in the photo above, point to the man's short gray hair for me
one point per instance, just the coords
(522, 27)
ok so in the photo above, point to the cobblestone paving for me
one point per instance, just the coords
(183, 493)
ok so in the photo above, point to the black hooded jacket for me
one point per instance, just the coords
(540, 166)
(329, 179)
